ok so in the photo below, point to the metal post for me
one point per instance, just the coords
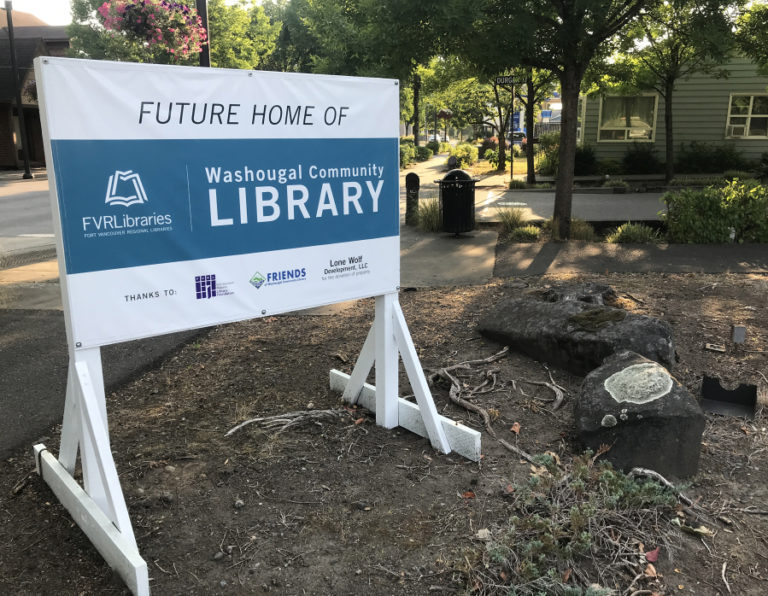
(17, 89)
(202, 10)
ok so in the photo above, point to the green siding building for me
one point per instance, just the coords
(729, 110)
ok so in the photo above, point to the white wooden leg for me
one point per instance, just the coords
(386, 362)
(70, 426)
(92, 481)
(362, 368)
(104, 473)
(419, 382)
(118, 550)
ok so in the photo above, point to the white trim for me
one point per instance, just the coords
(748, 117)
(628, 140)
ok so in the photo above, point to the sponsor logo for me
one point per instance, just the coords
(276, 278)
(205, 286)
(126, 189)
(257, 280)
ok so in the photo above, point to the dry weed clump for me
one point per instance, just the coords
(582, 529)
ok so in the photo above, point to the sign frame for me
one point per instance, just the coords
(98, 506)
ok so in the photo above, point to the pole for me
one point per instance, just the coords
(202, 11)
(17, 90)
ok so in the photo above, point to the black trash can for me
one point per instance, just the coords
(457, 202)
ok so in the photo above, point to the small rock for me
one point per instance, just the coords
(223, 583)
(170, 469)
(239, 504)
(310, 405)
(218, 556)
(358, 571)
(483, 534)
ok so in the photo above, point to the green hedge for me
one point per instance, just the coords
(465, 154)
(423, 153)
(737, 211)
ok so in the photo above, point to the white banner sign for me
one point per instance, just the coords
(187, 197)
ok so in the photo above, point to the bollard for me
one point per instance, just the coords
(411, 199)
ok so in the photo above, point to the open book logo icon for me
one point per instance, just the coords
(125, 188)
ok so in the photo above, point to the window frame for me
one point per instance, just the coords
(600, 128)
(748, 116)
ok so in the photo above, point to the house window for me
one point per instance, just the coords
(628, 118)
(747, 117)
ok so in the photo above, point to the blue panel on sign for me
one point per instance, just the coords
(134, 203)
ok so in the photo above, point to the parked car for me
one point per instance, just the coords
(518, 138)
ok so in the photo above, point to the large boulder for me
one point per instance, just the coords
(646, 417)
(574, 334)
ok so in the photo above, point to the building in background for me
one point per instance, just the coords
(33, 38)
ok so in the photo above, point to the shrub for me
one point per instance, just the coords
(696, 216)
(465, 154)
(407, 154)
(615, 183)
(423, 153)
(492, 155)
(408, 140)
(640, 158)
(633, 233)
(434, 146)
(702, 158)
(730, 175)
(762, 167)
(746, 204)
(529, 233)
(586, 161)
(429, 216)
(517, 184)
(549, 145)
(490, 143)
(510, 219)
(610, 167)
(697, 181)
(582, 230)
(445, 147)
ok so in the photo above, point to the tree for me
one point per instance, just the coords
(535, 85)
(752, 34)
(672, 40)
(563, 37)
(140, 31)
(243, 36)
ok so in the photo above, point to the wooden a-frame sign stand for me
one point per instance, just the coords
(99, 508)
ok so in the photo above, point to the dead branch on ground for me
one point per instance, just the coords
(283, 422)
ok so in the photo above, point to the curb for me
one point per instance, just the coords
(23, 257)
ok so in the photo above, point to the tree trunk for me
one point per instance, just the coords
(502, 131)
(416, 91)
(669, 169)
(570, 83)
(529, 116)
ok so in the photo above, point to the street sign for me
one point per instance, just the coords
(506, 80)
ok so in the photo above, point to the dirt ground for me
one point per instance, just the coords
(345, 507)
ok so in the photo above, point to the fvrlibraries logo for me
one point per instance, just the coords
(205, 286)
(126, 189)
(257, 280)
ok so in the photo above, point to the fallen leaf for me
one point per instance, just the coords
(359, 421)
(650, 570)
(652, 555)
(515, 428)
(745, 430)
(509, 489)
(468, 495)
(567, 574)
(503, 576)
(698, 531)
(554, 456)
(680, 587)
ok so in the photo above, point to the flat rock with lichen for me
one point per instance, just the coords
(646, 417)
(574, 334)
